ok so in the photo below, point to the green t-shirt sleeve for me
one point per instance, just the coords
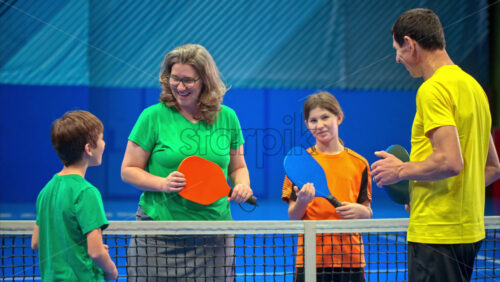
(236, 135)
(38, 208)
(90, 210)
(144, 132)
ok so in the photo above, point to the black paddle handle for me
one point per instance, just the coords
(252, 200)
(333, 201)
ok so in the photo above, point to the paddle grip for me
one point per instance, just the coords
(252, 200)
(333, 201)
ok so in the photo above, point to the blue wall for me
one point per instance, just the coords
(271, 119)
(27, 159)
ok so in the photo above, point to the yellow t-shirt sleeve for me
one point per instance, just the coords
(436, 107)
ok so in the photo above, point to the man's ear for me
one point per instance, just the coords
(410, 44)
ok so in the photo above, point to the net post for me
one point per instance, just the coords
(310, 250)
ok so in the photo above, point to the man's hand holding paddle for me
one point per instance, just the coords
(386, 170)
(386, 173)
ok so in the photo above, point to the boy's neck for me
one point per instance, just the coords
(78, 168)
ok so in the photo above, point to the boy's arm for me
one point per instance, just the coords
(99, 254)
(34, 238)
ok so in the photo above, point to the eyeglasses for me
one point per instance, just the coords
(188, 82)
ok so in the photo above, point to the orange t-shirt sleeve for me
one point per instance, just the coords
(287, 189)
(365, 189)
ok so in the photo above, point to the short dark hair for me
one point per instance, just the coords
(423, 26)
(72, 131)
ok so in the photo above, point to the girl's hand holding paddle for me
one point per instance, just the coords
(306, 194)
(174, 182)
(301, 168)
(354, 211)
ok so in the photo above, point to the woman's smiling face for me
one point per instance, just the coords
(186, 97)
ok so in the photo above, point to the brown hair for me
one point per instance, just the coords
(213, 89)
(72, 132)
(421, 25)
(323, 100)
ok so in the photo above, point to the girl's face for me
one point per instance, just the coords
(324, 125)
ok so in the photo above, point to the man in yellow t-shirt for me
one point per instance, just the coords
(452, 155)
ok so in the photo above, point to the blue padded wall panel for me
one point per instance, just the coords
(27, 158)
(373, 120)
(118, 108)
(285, 130)
(251, 109)
(271, 120)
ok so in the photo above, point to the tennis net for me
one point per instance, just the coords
(248, 250)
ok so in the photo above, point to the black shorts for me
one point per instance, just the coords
(441, 262)
(336, 274)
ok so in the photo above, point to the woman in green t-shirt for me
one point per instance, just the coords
(188, 121)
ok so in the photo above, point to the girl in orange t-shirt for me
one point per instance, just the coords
(338, 256)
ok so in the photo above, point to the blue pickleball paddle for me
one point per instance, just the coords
(302, 168)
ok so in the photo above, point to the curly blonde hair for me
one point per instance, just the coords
(213, 88)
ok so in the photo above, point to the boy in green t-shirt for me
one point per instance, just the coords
(70, 213)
